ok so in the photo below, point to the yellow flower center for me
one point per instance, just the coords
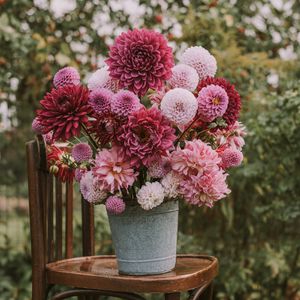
(216, 101)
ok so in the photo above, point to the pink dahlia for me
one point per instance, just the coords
(100, 100)
(124, 103)
(79, 173)
(115, 205)
(64, 110)
(66, 76)
(146, 136)
(101, 79)
(37, 127)
(196, 158)
(179, 106)
(184, 76)
(231, 157)
(212, 102)
(159, 168)
(232, 112)
(201, 60)
(205, 189)
(82, 152)
(112, 172)
(140, 59)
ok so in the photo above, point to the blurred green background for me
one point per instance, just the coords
(256, 231)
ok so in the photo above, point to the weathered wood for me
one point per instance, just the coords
(69, 219)
(172, 296)
(50, 237)
(58, 219)
(88, 234)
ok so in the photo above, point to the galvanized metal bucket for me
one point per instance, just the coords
(145, 241)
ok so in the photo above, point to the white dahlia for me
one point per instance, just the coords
(150, 195)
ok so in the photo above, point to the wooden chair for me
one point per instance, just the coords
(89, 276)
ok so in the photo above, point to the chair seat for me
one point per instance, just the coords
(101, 273)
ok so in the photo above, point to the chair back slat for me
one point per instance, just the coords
(69, 219)
(88, 233)
(50, 224)
(58, 219)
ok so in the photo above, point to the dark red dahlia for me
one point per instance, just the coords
(60, 163)
(65, 110)
(140, 59)
(234, 101)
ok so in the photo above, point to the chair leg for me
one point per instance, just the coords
(208, 293)
(39, 290)
(172, 296)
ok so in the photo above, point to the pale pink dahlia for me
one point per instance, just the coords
(231, 157)
(82, 152)
(212, 102)
(159, 168)
(184, 76)
(124, 103)
(171, 183)
(196, 158)
(150, 195)
(101, 79)
(37, 127)
(201, 60)
(66, 76)
(112, 171)
(146, 136)
(79, 173)
(115, 205)
(179, 106)
(100, 100)
(139, 60)
(205, 189)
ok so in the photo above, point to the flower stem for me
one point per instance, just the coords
(186, 130)
(89, 136)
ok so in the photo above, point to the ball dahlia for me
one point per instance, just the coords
(150, 195)
(179, 106)
(146, 136)
(66, 76)
(231, 157)
(212, 102)
(100, 100)
(184, 76)
(115, 205)
(159, 168)
(234, 102)
(112, 171)
(101, 79)
(82, 152)
(37, 127)
(64, 110)
(201, 60)
(139, 60)
(124, 103)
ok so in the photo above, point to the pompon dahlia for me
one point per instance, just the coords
(196, 158)
(179, 106)
(61, 163)
(66, 76)
(112, 171)
(184, 76)
(101, 79)
(37, 127)
(100, 100)
(115, 205)
(159, 168)
(234, 102)
(64, 110)
(205, 189)
(201, 60)
(231, 157)
(150, 195)
(124, 103)
(82, 152)
(212, 102)
(146, 136)
(140, 59)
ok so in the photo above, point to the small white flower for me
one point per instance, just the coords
(150, 195)
(170, 184)
(101, 79)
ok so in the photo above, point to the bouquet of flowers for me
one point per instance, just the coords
(143, 130)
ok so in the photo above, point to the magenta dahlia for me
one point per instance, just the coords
(37, 127)
(82, 152)
(66, 76)
(212, 102)
(146, 136)
(64, 110)
(115, 205)
(234, 102)
(140, 59)
(100, 101)
(231, 157)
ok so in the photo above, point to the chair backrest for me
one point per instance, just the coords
(51, 212)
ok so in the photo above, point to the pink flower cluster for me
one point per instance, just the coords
(144, 130)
